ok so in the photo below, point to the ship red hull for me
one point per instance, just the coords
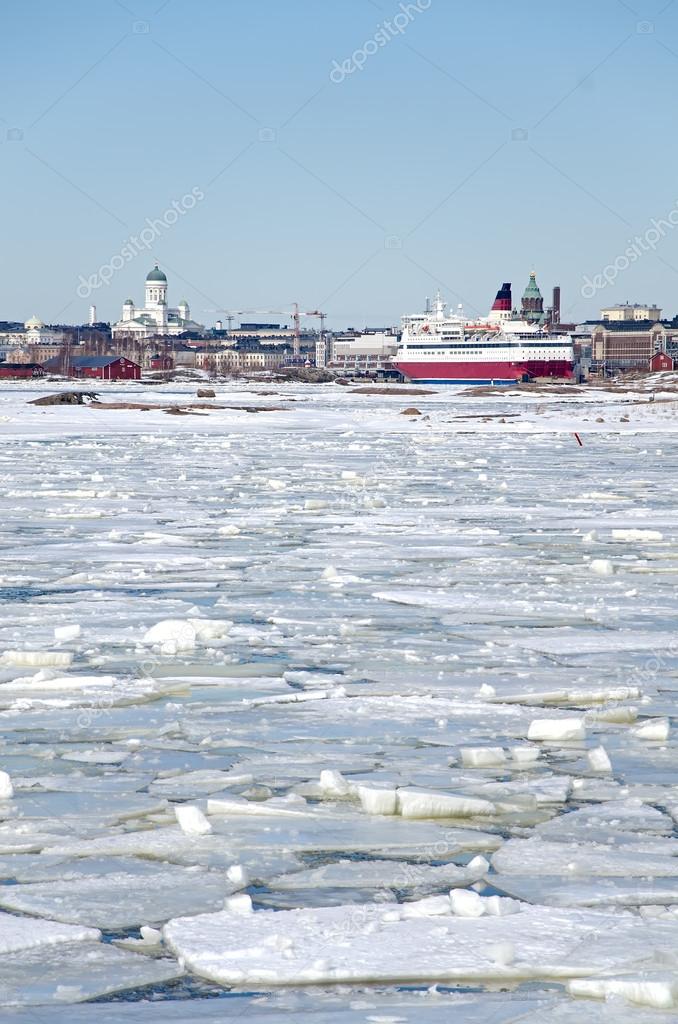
(483, 373)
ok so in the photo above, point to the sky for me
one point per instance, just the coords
(353, 156)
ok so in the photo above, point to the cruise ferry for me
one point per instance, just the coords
(437, 347)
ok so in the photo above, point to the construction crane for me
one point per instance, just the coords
(294, 313)
(316, 312)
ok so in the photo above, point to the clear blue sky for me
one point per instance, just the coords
(359, 196)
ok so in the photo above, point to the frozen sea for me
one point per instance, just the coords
(313, 711)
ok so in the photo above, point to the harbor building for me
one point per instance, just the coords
(105, 368)
(627, 345)
(661, 362)
(366, 353)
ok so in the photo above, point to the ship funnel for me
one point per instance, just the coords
(503, 299)
(501, 308)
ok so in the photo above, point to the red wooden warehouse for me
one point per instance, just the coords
(162, 362)
(21, 371)
(661, 361)
(106, 368)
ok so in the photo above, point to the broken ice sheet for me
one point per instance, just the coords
(568, 891)
(353, 1007)
(42, 867)
(579, 860)
(189, 785)
(104, 808)
(520, 613)
(119, 900)
(347, 944)
(77, 971)
(378, 874)
(261, 835)
(17, 933)
(610, 818)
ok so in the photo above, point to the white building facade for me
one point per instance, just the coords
(363, 353)
(155, 318)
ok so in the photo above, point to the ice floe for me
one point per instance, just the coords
(117, 901)
(333, 691)
(346, 944)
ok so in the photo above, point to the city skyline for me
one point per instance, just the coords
(351, 158)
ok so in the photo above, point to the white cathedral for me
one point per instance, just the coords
(155, 318)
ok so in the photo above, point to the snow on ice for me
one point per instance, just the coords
(329, 694)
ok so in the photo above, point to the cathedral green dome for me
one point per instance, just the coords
(156, 275)
(532, 291)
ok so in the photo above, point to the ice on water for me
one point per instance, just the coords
(411, 684)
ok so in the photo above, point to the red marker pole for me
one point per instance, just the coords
(579, 440)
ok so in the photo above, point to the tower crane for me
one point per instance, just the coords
(293, 313)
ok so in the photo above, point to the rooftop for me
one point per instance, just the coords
(85, 361)
(633, 305)
(156, 274)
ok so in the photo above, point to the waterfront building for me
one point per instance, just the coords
(105, 368)
(627, 345)
(661, 362)
(368, 352)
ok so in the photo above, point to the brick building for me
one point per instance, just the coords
(628, 345)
